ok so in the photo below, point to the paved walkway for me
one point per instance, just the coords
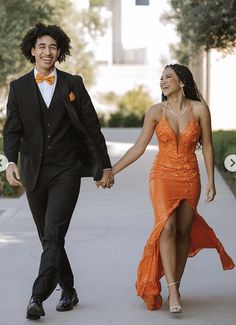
(105, 243)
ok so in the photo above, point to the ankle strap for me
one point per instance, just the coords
(172, 283)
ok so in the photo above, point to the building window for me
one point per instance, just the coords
(142, 2)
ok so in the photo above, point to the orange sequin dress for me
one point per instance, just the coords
(174, 177)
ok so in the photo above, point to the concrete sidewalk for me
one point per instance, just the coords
(105, 242)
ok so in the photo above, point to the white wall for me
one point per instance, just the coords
(223, 90)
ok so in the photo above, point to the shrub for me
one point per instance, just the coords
(119, 119)
(224, 143)
(116, 120)
(132, 107)
(5, 188)
(135, 101)
(132, 120)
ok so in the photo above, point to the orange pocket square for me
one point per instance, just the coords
(72, 96)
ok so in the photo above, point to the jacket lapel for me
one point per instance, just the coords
(32, 90)
(63, 85)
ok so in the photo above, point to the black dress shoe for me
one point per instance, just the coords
(35, 308)
(67, 301)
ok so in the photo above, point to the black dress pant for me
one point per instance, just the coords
(52, 204)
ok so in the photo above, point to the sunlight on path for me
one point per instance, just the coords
(119, 148)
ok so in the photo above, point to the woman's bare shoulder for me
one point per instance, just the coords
(155, 111)
(199, 108)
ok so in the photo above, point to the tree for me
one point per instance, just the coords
(98, 3)
(15, 18)
(82, 27)
(204, 24)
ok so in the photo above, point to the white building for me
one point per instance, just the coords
(136, 48)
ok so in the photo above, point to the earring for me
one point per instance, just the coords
(182, 89)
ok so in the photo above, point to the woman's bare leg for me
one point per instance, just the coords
(168, 256)
(184, 220)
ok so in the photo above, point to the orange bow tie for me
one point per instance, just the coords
(40, 78)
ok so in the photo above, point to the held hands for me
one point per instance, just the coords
(107, 180)
(210, 193)
(13, 175)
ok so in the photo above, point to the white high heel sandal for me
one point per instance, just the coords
(178, 284)
(175, 309)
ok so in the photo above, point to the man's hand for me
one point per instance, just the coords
(13, 175)
(107, 180)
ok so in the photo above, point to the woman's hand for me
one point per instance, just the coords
(210, 193)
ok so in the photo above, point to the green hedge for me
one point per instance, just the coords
(131, 108)
(224, 143)
(121, 120)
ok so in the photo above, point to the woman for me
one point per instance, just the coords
(180, 122)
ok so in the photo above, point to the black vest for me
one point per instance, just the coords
(59, 135)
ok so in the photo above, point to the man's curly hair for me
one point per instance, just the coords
(54, 31)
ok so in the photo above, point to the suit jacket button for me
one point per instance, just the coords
(40, 154)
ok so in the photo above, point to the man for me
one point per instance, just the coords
(51, 121)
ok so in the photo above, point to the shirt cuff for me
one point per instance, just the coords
(107, 168)
(9, 163)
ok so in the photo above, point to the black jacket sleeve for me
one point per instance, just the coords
(89, 118)
(12, 130)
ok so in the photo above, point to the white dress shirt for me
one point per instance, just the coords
(47, 90)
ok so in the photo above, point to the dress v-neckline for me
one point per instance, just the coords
(179, 134)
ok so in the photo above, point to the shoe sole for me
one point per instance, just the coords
(176, 309)
(34, 313)
(32, 316)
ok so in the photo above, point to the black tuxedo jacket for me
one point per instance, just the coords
(23, 129)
